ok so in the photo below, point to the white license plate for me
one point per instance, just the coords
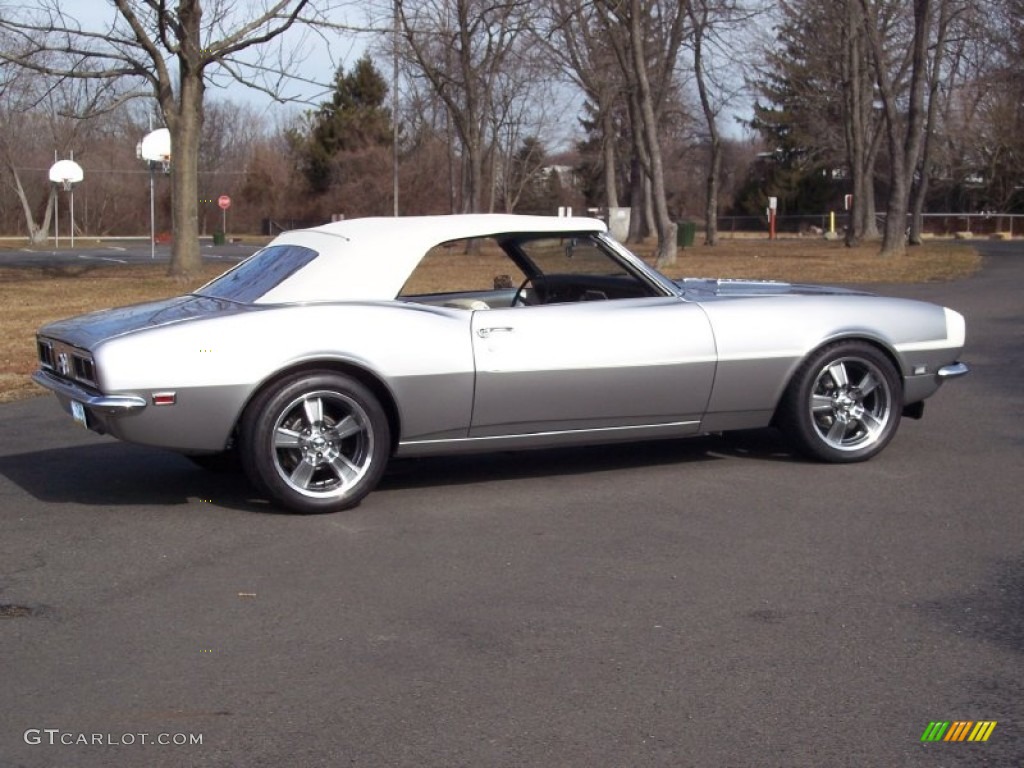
(78, 413)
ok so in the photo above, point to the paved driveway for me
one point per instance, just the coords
(714, 602)
(116, 251)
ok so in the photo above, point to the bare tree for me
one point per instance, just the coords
(17, 124)
(35, 122)
(647, 55)
(576, 39)
(524, 107)
(463, 49)
(897, 61)
(997, 133)
(862, 130)
(170, 53)
(649, 124)
(427, 160)
(949, 11)
(710, 20)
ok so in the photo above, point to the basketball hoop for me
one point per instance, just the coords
(155, 149)
(67, 173)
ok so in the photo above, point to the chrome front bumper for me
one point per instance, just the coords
(113, 404)
(952, 371)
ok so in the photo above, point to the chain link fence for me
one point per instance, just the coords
(935, 224)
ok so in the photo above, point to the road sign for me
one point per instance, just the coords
(224, 202)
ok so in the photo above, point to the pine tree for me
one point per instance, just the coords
(353, 120)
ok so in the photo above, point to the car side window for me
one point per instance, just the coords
(522, 271)
(573, 268)
(465, 274)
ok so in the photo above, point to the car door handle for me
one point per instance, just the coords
(483, 333)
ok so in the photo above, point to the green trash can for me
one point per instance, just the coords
(686, 233)
(218, 238)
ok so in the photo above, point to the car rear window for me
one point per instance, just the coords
(259, 274)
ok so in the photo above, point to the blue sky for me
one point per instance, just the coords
(320, 53)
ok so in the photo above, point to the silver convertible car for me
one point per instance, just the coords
(332, 349)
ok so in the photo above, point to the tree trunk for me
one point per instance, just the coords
(920, 192)
(857, 105)
(185, 127)
(666, 227)
(37, 234)
(611, 184)
(650, 224)
(904, 135)
(641, 223)
(869, 213)
(184, 118)
(710, 119)
(711, 204)
(638, 225)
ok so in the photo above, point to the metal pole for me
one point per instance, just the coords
(56, 209)
(71, 189)
(394, 106)
(152, 215)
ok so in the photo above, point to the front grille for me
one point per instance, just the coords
(66, 361)
(45, 353)
(85, 369)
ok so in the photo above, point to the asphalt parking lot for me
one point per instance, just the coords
(117, 251)
(713, 602)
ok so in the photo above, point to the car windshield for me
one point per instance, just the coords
(259, 274)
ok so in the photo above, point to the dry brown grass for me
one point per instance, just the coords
(817, 261)
(32, 297)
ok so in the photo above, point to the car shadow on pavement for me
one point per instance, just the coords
(117, 474)
(761, 445)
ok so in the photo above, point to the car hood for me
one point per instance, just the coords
(702, 289)
(86, 331)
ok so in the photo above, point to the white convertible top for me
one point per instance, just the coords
(371, 259)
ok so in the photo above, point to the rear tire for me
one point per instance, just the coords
(315, 442)
(843, 403)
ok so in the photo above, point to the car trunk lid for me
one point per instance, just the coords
(86, 331)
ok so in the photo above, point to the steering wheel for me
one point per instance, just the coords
(527, 294)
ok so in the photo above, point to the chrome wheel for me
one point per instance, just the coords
(315, 442)
(850, 404)
(323, 444)
(843, 404)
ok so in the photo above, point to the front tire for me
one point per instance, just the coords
(315, 442)
(843, 404)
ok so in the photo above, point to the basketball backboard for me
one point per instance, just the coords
(66, 173)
